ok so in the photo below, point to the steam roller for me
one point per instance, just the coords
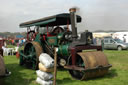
(75, 53)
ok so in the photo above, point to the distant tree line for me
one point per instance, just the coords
(110, 30)
(11, 35)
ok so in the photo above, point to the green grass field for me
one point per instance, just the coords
(117, 75)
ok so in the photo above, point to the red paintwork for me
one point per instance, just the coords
(1, 43)
(73, 54)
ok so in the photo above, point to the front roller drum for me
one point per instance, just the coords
(95, 64)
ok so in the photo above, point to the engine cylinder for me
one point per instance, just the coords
(63, 50)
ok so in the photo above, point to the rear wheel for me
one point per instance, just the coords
(32, 51)
(119, 48)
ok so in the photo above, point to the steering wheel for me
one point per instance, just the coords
(31, 35)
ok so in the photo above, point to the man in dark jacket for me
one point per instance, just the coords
(3, 70)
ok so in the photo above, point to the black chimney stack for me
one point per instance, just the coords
(73, 23)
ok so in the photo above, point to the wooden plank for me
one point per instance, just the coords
(55, 67)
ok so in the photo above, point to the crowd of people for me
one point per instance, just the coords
(18, 42)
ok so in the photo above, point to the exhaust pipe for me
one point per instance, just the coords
(73, 23)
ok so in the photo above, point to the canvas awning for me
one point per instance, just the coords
(59, 19)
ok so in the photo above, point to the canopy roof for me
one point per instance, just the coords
(59, 19)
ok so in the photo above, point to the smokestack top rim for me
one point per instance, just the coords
(72, 10)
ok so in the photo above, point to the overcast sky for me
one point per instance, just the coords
(96, 14)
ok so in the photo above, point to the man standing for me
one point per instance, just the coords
(124, 38)
(3, 70)
(2, 66)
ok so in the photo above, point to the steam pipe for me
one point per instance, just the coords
(73, 23)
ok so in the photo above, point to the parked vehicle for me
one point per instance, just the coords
(110, 43)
